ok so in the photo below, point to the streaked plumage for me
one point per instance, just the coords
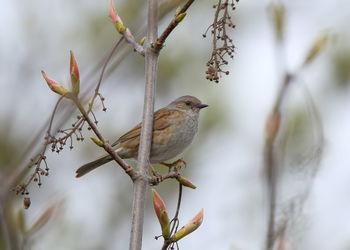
(174, 128)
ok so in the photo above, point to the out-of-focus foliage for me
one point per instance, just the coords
(341, 65)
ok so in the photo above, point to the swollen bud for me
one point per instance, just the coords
(189, 227)
(185, 182)
(118, 23)
(120, 27)
(55, 86)
(177, 12)
(180, 17)
(97, 141)
(142, 41)
(162, 215)
(74, 74)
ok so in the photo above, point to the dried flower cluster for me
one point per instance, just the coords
(39, 171)
(223, 46)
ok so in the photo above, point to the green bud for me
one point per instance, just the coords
(142, 41)
(177, 11)
(97, 141)
(185, 182)
(180, 17)
(189, 227)
(120, 27)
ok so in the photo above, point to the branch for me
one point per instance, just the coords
(273, 127)
(50, 138)
(155, 180)
(128, 170)
(158, 45)
(98, 85)
(140, 185)
(130, 39)
(22, 188)
(124, 31)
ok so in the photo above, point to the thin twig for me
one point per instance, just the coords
(154, 180)
(128, 170)
(41, 156)
(158, 45)
(131, 39)
(98, 85)
(50, 138)
(216, 17)
(175, 220)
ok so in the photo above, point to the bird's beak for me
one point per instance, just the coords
(200, 106)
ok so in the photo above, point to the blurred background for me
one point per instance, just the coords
(226, 159)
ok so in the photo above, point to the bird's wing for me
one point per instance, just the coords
(160, 122)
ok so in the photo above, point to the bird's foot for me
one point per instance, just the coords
(176, 165)
(158, 176)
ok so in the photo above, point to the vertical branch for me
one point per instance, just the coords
(273, 127)
(140, 184)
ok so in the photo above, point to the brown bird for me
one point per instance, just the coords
(174, 128)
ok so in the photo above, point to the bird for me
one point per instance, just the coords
(174, 128)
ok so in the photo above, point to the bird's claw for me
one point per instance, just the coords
(156, 175)
(176, 165)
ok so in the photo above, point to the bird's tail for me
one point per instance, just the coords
(86, 168)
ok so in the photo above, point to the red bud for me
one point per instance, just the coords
(54, 86)
(74, 74)
(160, 209)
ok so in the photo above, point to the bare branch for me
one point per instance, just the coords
(140, 185)
(130, 39)
(128, 170)
(154, 180)
(158, 45)
(97, 93)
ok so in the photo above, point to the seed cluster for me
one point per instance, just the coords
(223, 46)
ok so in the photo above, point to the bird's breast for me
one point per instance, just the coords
(173, 140)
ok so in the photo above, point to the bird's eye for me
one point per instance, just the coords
(188, 103)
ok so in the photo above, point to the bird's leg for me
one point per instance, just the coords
(176, 165)
(155, 173)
